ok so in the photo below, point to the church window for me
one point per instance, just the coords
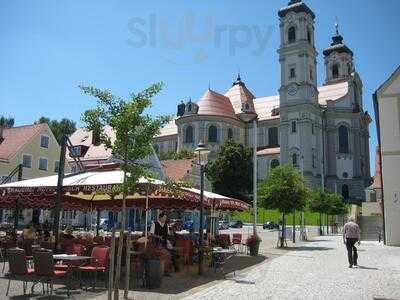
(312, 128)
(345, 192)
(314, 159)
(274, 163)
(335, 71)
(292, 34)
(292, 73)
(311, 73)
(295, 160)
(309, 36)
(348, 68)
(273, 137)
(294, 127)
(230, 133)
(343, 132)
(189, 134)
(212, 134)
(246, 106)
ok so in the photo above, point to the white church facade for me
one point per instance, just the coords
(322, 131)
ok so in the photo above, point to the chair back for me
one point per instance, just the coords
(17, 261)
(78, 249)
(100, 255)
(236, 238)
(43, 262)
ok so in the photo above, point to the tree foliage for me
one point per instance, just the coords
(59, 128)
(176, 155)
(327, 203)
(6, 122)
(231, 171)
(284, 189)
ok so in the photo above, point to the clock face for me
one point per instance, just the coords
(292, 89)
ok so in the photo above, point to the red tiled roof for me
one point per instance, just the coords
(213, 103)
(177, 169)
(377, 184)
(15, 138)
(268, 151)
(239, 94)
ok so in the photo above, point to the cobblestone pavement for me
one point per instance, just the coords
(318, 270)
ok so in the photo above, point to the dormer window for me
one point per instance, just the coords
(335, 71)
(246, 106)
(292, 35)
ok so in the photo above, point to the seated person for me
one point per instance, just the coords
(67, 233)
(29, 232)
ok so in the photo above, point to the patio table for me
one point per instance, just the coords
(70, 258)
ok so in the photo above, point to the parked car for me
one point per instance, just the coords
(270, 225)
(222, 225)
(236, 224)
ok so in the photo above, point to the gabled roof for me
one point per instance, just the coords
(177, 169)
(16, 138)
(213, 103)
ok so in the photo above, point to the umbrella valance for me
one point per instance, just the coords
(92, 190)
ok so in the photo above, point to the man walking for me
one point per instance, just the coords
(351, 234)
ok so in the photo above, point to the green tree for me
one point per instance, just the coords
(319, 203)
(59, 128)
(176, 155)
(230, 173)
(6, 122)
(134, 133)
(284, 189)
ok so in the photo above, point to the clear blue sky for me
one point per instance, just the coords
(50, 47)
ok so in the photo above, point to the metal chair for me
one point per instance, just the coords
(18, 268)
(98, 264)
(44, 269)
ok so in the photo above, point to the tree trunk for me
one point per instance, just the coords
(320, 224)
(283, 235)
(327, 224)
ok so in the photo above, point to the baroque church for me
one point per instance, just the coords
(322, 131)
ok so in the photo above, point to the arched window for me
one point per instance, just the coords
(189, 134)
(343, 139)
(274, 163)
(348, 68)
(335, 71)
(294, 127)
(230, 133)
(345, 192)
(291, 34)
(212, 134)
(294, 160)
(309, 36)
(273, 137)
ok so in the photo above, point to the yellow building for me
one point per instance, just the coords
(33, 146)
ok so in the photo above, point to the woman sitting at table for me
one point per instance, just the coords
(159, 229)
(67, 234)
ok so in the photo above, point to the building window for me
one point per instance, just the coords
(292, 73)
(44, 141)
(314, 159)
(311, 74)
(212, 134)
(189, 134)
(335, 71)
(56, 166)
(309, 36)
(292, 34)
(343, 139)
(27, 161)
(273, 137)
(295, 160)
(312, 128)
(274, 163)
(345, 192)
(348, 68)
(230, 133)
(294, 127)
(43, 164)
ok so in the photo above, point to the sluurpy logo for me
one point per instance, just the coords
(198, 34)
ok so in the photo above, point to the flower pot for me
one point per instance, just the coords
(154, 273)
(254, 249)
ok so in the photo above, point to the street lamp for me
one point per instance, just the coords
(202, 151)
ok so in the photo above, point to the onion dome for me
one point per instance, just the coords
(295, 6)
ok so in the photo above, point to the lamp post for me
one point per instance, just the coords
(202, 151)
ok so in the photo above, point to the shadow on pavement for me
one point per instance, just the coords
(307, 248)
(366, 268)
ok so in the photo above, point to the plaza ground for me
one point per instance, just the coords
(316, 269)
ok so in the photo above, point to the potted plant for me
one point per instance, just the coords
(253, 242)
(154, 267)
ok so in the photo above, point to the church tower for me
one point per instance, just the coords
(300, 125)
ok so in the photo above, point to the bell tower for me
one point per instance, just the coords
(300, 123)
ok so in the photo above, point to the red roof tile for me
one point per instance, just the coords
(15, 138)
(213, 103)
(239, 94)
(177, 169)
